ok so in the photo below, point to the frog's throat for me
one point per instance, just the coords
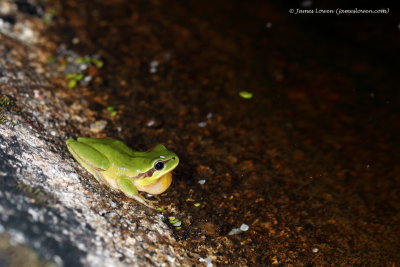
(147, 178)
(158, 186)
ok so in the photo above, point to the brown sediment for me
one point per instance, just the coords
(308, 163)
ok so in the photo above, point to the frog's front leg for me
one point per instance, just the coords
(126, 185)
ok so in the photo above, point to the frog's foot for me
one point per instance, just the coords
(141, 199)
(153, 196)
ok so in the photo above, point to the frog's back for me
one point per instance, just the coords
(108, 147)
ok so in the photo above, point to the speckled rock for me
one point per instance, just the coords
(47, 202)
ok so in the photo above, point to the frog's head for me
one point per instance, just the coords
(158, 178)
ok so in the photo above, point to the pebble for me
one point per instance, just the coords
(98, 126)
(244, 227)
(208, 261)
(202, 124)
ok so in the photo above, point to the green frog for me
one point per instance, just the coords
(124, 169)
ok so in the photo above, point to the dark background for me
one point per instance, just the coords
(311, 161)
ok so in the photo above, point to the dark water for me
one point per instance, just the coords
(310, 162)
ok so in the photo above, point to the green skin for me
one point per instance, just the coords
(123, 169)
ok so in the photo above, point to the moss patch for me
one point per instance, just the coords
(14, 255)
(7, 105)
(39, 196)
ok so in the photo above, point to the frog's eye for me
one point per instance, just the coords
(159, 165)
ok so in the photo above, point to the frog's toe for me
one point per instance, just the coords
(144, 201)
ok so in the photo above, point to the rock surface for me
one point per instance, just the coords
(47, 202)
(286, 127)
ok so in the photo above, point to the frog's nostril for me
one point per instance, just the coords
(173, 158)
